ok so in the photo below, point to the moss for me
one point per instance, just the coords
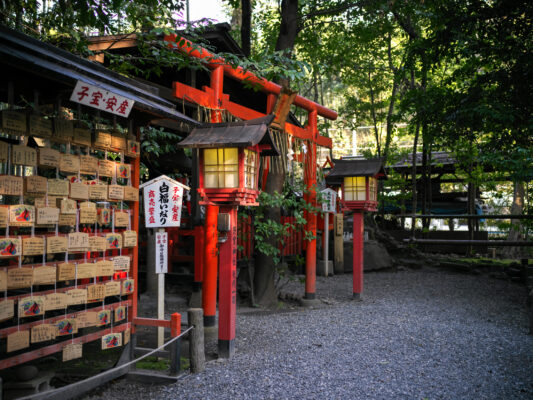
(153, 363)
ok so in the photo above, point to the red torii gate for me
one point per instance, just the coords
(214, 98)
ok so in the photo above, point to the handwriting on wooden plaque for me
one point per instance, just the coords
(98, 192)
(86, 270)
(67, 220)
(114, 241)
(44, 275)
(97, 243)
(82, 137)
(105, 268)
(64, 130)
(120, 313)
(115, 192)
(134, 148)
(43, 333)
(123, 171)
(102, 140)
(118, 141)
(47, 201)
(106, 168)
(129, 238)
(76, 296)
(23, 155)
(131, 193)
(18, 278)
(4, 216)
(18, 341)
(7, 309)
(35, 185)
(33, 246)
(49, 157)
(88, 165)
(47, 216)
(4, 151)
(10, 247)
(21, 215)
(11, 185)
(128, 286)
(111, 340)
(122, 219)
(112, 288)
(127, 336)
(40, 126)
(78, 241)
(14, 121)
(69, 163)
(121, 263)
(56, 244)
(66, 272)
(3, 280)
(86, 319)
(31, 306)
(88, 216)
(96, 292)
(55, 301)
(79, 191)
(58, 187)
(72, 351)
(67, 326)
(103, 317)
(87, 205)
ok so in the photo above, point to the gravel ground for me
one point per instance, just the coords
(423, 334)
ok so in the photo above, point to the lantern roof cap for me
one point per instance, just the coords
(356, 167)
(233, 134)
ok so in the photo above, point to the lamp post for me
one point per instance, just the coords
(358, 181)
(228, 178)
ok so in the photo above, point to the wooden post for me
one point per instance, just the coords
(209, 285)
(358, 240)
(196, 340)
(326, 238)
(339, 243)
(160, 303)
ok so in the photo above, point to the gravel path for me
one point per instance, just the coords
(417, 335)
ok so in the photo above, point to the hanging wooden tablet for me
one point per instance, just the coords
(78, 241)
(88, 216)
(69, 163)
(3, 280)
(112, 288)
(121, 263)
(67, 326)
(68, 206)
(128, 286)
(18, 278)
(76, 296)
(18, 341)
(111, 340)
(97, 243)
(7, 309)
(103, 317)
(114, 241)
(47, 216)
(104, 216)
(115, 192)
(87, 205)
(118, 142)
(43, 333)
(44, 275)
(86, 270)
(106, 168)
(66, 272)
(4, 216)
(31, 306)
(58, 187)
(96, 292)
(55, 301)
(123, 171)
(23, 155)
(127, 336)
(35, 185)
(79, 191)
(131, 193)
(105, 268)
(67, 220)
(122, 219)
(14, 122)
(63, 130)
(129, 239)
(72, 351)
(41, 202)
(40, 126)
(98, 192)
(11, 185)
(102, 140)
(82, 137)
(10, 247)
(120, 313)
(88, 165)
(86, 319)
(48, 157)
(21, 215)
(134, 149)
(4, 151)
(32, 246)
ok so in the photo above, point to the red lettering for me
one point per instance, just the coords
(83, 93)
(96, 98)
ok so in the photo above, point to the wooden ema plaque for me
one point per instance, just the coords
(103, 317)
(118, 142)
(76, 296)
(97, 243)
(123, 171)
(104, 268)
(115, 192)
(31, 306)
(58, 187)
(18, 278)
(129, 239)
(127, 336)
(128, 286)
(4, 152)
(55, 301)
(106, 168)
(43, 333)
(10, 247)
(67, 220)
(21, 215)
(122, 219)
(40, 126)
(86, 319)
(79, 191)
(120, 313)
(33, 246)
(82, 137)
(49, 157)
(133, 149)
(67, 326)
(96, 292)
(121, 263)
(78, 241)
(85, 270)
(111, 340)
(23, 155)
(114, 241)
(4, 216)
(112, 288)
(69, 163)
(18, 341)
(64, 130)
(102, 140)
(88, 165)
(44, 275)
(72, 351)
(7, 309)
(131, 193)
(35, 185)
(68, 206)
(3, 280)
(88, 216)
(98, 192)
(66, 272)
(11, 185)
(14, 122)
(56, 244)
(47, 216)
(104, 216)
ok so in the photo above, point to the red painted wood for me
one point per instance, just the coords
(199, 240)
(209, 285)
(162, 323)
(175, 324)
(227, 300)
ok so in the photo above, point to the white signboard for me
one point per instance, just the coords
(329, 197)
(163, 199)
(93, 96)
(161, 252)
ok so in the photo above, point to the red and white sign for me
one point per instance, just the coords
(161, 252)
(163, 199)
(93, 96)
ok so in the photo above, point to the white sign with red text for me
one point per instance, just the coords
(93, 96)
(163, 199)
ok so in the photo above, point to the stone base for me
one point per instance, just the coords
(324, 268)
(310, 302)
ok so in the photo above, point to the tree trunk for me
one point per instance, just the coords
(246, 24)
(515, 233)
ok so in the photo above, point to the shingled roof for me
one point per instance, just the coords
(358, 167)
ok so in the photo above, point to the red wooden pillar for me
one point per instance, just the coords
(227, 298)
(358, 238)
(199, 248)
(209, 286)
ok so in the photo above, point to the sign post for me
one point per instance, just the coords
(163, 199)
(329, 205)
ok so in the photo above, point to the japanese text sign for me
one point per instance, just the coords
(330, 200)
(93, 96)
(161, 252)
(162, 202)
